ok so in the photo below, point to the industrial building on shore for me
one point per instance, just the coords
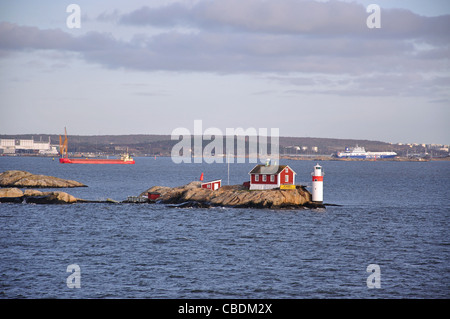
(27, 147)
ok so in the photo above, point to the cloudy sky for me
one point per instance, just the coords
(309, 68)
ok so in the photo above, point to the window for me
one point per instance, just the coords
(256, 178)
(272, 178)
(286, 178)
(264, 178)
(286, 170)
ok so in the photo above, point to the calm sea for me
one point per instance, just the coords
(392, 214)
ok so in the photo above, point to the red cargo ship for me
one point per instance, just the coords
(124, 159)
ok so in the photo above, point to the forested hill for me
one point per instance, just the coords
(162, 144)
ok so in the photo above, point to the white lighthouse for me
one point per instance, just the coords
(317, 184)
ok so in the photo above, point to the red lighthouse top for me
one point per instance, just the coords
(317, 174)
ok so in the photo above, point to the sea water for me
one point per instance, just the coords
(391, 214)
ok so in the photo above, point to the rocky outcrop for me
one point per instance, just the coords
(10, 192)
(15, 179)
(51, 198)
(15, 195)
(233, 196)
(25, 179)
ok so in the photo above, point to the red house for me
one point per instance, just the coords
(271, 176)
(213, 185)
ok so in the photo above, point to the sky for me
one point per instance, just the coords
(309, 68)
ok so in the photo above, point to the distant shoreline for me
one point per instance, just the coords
(395, 159)
(290, 157)
(162, 145)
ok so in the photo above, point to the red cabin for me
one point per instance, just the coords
(213, 185)
(271, 176)
(153, 196)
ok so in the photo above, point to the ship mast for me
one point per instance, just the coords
(63, 145)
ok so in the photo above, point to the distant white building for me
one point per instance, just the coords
(17, 146)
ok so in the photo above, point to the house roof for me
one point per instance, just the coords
(214, 181)
(269, 170)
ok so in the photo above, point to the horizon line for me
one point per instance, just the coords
(161, 134)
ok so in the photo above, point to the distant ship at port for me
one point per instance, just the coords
(63, 147)
(360, 152)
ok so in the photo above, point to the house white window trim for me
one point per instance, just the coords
(264, 178)
(272, 178)
(286, 178)
(256, 177)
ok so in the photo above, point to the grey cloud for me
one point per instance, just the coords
(221, 52)
(281, 37)
(15, 37)
(224, 52)
(328, 19)
(377, 84)
(441, 101)
(171, 15)
(281, 16)
(108, 16)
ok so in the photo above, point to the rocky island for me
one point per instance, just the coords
(189, 195)
(12, 181)
(31, 196)
(192, 195)
(25, 179)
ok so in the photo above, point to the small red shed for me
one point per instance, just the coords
(213, 185)
(153, 195)
(271, 176)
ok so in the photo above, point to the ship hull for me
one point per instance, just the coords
(360, 153)
(381, 156)
(93, 161)
(351, 156)
(364, 156)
